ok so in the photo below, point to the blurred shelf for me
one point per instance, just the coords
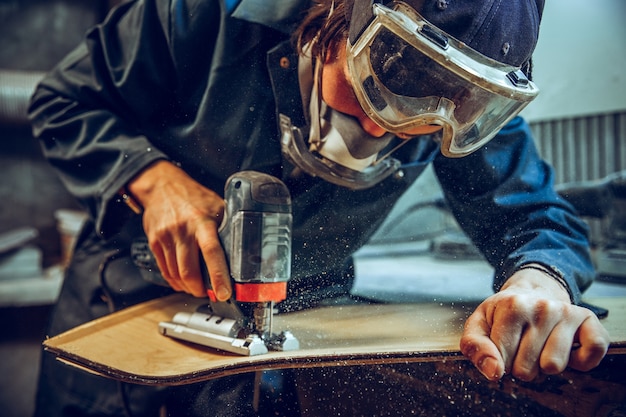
(32, 291)
(409, 273)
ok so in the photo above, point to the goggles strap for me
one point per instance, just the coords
(388, 154)
(316, 98)
(360, 17)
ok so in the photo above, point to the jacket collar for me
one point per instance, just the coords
(282, 64)
(281, 15)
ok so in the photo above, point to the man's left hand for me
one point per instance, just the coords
(531, 327)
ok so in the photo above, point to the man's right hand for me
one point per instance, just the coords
(181, 220)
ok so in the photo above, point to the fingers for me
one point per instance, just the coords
(166, 263)
(525, 336)
(215, 259)
(556, 352)
(536, 326)
(578, 340)
(188, 262)
(594, 342)
(180, 266)
(181, 218)
(506, 331)
(478, 347)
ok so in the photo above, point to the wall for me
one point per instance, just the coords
(34, 35)
(578, 119)
(579, 60)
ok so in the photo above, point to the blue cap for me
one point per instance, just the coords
(504, 30)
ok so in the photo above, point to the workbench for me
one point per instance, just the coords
(354, 360)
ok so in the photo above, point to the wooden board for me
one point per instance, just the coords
(128, 346)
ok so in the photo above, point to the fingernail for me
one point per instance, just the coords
(489, 368)
(222, 293)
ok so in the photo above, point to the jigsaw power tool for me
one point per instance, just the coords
(256, 237)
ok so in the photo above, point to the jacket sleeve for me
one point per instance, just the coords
(96, 110)
(503, 198)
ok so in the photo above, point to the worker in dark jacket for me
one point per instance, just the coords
(347, 103)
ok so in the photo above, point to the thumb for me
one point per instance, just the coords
(478, 347)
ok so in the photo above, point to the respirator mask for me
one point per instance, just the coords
(335, 148)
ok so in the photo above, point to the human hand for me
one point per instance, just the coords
(530, 326)
(181, 219)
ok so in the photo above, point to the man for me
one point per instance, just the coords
(165, 100)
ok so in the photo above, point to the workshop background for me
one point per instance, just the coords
(579, 121)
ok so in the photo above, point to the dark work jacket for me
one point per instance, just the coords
(200, 82)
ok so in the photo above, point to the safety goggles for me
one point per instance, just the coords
(407, 73)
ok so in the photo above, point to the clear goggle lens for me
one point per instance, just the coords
(407, 74)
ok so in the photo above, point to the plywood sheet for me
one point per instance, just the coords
(128, 346)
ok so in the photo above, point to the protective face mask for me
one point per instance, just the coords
(336, 148)
(341, 139)
(340, 156)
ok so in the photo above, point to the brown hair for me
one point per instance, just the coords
(324, 25)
